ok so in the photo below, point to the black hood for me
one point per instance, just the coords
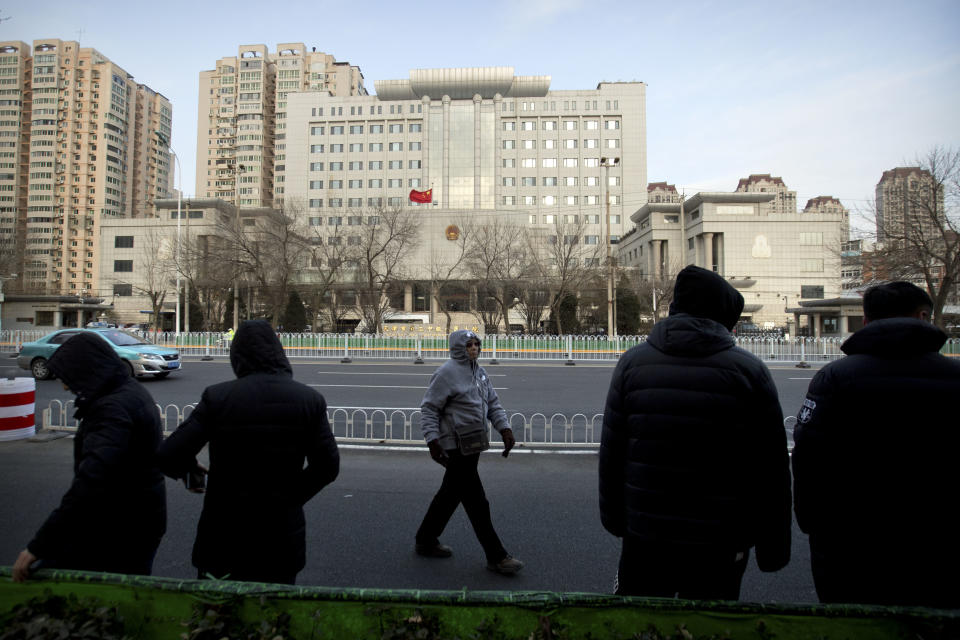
(689, 336)
(88, 365)
(257, 349)
(895, 338)
(704, 294)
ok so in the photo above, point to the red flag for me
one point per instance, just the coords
(421, 196)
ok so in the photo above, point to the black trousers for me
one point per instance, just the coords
(461, 484)
(677, 571)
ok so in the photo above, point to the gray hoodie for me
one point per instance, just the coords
(460, 394)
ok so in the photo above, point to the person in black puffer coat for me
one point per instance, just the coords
(874, 460)
(260, 427)
(694, 468)
(115, 513)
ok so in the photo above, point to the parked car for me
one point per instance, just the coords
(143, 358)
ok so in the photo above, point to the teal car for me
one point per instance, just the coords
(143, 358)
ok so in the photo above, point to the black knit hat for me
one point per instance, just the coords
(705, 294)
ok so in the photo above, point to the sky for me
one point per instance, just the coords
(826, 95)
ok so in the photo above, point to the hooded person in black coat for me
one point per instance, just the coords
(114, 514)
(260, 428)
(874, 460)
(694, 468)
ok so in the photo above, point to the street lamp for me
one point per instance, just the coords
(236, 220)
(165, 141)
(606, 163)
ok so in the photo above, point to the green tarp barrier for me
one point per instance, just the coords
(163, 608)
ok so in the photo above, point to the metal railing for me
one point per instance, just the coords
(568, 348)
(387, 425)
(402, 425)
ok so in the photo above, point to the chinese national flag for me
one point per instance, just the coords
(421, 196)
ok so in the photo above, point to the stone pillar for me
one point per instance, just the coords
(408, 297)
(816, 325)
(708, 251)
(445, 100)
(434, 307)
(58, 318)
(657, 258)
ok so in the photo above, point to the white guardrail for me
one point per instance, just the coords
(402, 425)
(419, 347)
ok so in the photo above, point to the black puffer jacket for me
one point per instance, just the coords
(260, 427)
(693, 449)
(876, 441)
(114, 514)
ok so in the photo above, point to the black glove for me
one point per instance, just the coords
(437, 453)
(508, 441)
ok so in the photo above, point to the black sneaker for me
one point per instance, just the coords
(434, 550)
(506, 567)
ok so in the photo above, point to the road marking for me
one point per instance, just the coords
(383, 386)
(380, 373)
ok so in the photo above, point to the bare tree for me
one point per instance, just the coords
(328, 253)
(156, 266)
(562, 261)
(202, 266)
(497, 261)
(270, 252)
(383, 245)
(921, 241)
(448, 270)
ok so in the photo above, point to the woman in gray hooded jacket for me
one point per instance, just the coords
(454, 416)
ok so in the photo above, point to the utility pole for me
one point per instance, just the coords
(606, 163)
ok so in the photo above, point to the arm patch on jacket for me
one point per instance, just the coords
(806, 412)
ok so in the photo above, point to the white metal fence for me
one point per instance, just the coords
(397, 426)
(567, 349)
(402, 425)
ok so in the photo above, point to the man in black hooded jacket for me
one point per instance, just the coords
(874, 460)
(260, 427)
(115, 513)
(693, 457)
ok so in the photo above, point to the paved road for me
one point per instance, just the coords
(361, 528)
(524, 388)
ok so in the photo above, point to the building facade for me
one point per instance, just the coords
(78, 145)
(905, 202)
(829, 204)
(483, 141)
(242, 117)
(774, 259)
(784, 200)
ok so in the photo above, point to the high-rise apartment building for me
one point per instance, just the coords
(78, 143)
(829, 204)
(905, 201)
(662, 192)
(784, 200)
(242, 118)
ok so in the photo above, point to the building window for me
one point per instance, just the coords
(375, 183)
(356, 147)
(375, 165)
(356, 128)
(529, 163)
(570, 143)
(123, 242)
(549, 201)
(396, 146)
(570, 200)
(354, 203)
(123, 290)
(570, 181)
(336, 184)
(811, 291)
(509, 163)
(416, 127)
(591, 239)
(509, 125)
(375, 146)
(336, 148)
(549, 181)
(414, 164)
(122, 266)
(549, 163)
(613, 143)
(591, 143)
(316, 184)
(549, 125)
(529, 144)
(376, 128)
(414, 146)
(395, 164)
(509, 182)
(509, 200)
(336, 166)
(355, 184)
(355, 165)
(394, 183)
(509, 144)
(611, 124)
